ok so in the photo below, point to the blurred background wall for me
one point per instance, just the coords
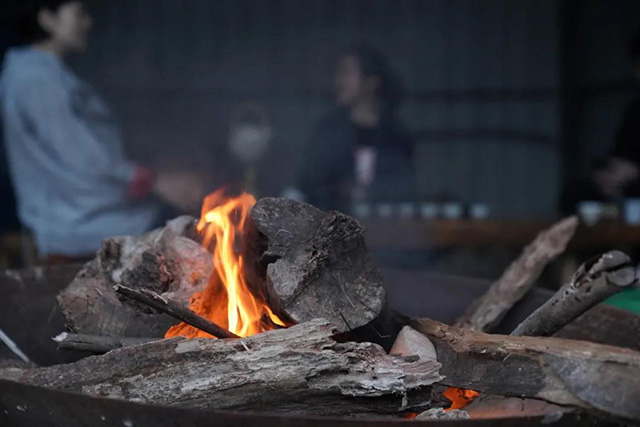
(506, 98)
(482, 80)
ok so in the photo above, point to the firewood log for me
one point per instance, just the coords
(167, 261)
(599, 378)
(296, 370)
(313, 264)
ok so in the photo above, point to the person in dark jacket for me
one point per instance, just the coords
(620, 175)
(617, 176)
(358, 150)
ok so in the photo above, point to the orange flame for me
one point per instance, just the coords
(459, 397)
(227, 300)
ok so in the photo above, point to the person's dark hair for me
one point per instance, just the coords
(634, 46)
(373, 63)
(29, 30)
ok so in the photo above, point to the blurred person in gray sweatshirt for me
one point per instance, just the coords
(73, 182)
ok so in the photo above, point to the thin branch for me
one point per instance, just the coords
(166, 306)
(96, 343)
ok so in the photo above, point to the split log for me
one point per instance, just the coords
(312, 264)
(595, 280)
(486, 312)
(95, 343)
(600, 378)
(295, 370)
(168, 261)
(179, 313)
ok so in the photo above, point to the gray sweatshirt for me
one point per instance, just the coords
(67, 165)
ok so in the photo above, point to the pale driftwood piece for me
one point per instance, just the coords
(599, 378)
(487, 311)
(95, 343)
(174, 310)
(410, 342)
(312, 264)
(296, 370)
(167, 261)
(595, 280)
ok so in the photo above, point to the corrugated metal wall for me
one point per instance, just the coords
(482, 78)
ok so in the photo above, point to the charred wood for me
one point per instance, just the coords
(313, 264)
(168, 261)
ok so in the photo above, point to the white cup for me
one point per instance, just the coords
(632, 211)
(452, 210)
(429, 210)
(479, 211)
(590, 212)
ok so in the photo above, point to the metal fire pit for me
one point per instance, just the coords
(29, 315)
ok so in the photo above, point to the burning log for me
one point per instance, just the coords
(598, 378)
(297, 263)
(179, 313)
(313, 264)
(96, 343)
(168, 261)
(595, 280)
(295, 370)
(487, 311)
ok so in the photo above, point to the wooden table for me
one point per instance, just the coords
(464, 233)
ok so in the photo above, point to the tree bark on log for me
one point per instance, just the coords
(313, 264)
(296, 370)
(599, 378)
(487, 311)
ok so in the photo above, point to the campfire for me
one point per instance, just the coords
(304, 326)
(228, 300)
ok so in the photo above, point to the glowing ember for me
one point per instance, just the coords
(227, 300)
(459, 397)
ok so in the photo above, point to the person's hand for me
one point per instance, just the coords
(618, 173)
(182, 190)
(625, 171)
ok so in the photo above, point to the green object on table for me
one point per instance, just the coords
(626, 300)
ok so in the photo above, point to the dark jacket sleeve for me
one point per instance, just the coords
(326, 164)
(396, 174)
